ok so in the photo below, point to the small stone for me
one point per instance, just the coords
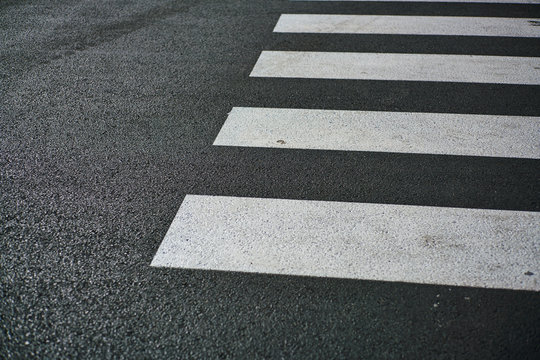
(281, 142)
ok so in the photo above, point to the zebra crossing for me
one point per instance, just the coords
(388, 242)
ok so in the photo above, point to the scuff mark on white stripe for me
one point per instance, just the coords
(416, 244)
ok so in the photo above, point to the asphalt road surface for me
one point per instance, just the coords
(109, 111)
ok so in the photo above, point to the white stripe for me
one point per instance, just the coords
(412, 67)
(413, 25)
(448, 1)
(433, 245)
(428, 133)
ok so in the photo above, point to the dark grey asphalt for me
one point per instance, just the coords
(108, 110)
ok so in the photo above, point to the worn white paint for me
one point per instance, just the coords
(428, 133)
(412, 67)
(411, 25)
(417, 244)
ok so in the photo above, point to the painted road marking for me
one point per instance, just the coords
(411, 67)
(448, 1)
(417, 244)
(410, 25)
(427, 133)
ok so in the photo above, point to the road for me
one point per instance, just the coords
(185, 179)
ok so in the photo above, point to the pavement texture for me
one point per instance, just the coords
(108, 110)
